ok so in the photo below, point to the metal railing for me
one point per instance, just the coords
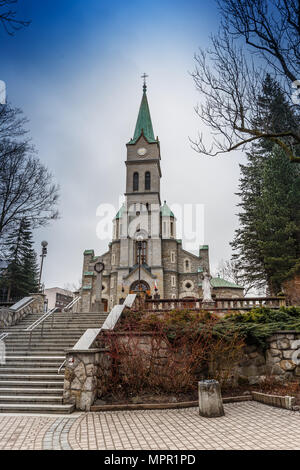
(3, 336)
(40, 321)
(71, 304)
(61, 366)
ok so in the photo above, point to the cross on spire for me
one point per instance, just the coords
(144, 76)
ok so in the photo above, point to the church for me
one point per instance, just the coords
(144, 252)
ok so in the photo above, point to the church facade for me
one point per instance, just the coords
(144, 251)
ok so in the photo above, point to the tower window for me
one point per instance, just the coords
(143, 252)
(172, 229)
(135, 181)
(147, 180)
(187, 266)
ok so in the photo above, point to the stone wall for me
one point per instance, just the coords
(280, 359)
(86, 371)
(83, 376)
(10, 317)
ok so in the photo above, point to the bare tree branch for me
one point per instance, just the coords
(230, 83)
(8, 17)
(26, 187)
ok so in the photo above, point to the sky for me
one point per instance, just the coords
(76, 74)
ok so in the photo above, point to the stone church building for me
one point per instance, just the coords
(144, 250)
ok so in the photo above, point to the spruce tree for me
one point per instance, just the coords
(21, 276)
(267, 243)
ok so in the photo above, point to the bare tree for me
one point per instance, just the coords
(26, 186)
(230, 270)
(230, 80)
(270, 27)
(8, 17)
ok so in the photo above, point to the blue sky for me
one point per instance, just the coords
(75, 72)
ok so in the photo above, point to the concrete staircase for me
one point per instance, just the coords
(29, 379)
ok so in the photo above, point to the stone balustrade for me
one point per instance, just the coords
(220, 304)
(12, 315)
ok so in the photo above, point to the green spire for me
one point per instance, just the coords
(143, 123)
(166, 211)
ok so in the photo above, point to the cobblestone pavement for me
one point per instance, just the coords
(247, 425)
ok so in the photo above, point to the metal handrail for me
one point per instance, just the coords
(61, 366)
(3, 336)
(40, 321)
(72, 303)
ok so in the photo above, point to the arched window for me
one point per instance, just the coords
(187, 266)
(135, 181)
(142, 252)
(147, 180)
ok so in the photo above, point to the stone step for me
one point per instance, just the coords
(35, 408)
(35, 358)
(37, 342)
(30, 398)
(34, 377)
(38, 365)
(50, 348)
(14, 391)
(31, 384)
(28, 370)
(30, 353)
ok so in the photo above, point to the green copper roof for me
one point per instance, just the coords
(143, 123)
(203, 247)
(88, 252)
(120, 212)
(219, 282)
(166, 211)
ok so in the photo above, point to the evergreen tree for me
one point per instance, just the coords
(21, 276)
(267, 243)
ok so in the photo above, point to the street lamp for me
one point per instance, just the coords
(140, 237)
(44, 245)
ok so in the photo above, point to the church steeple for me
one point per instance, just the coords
(144, 123)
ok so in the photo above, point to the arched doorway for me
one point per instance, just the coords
(136, 285)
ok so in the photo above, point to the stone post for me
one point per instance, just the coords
(99, 307)
(210, 400)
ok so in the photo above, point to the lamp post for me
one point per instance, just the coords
(99, 268)
(43, 255)
(140, 238)
(139, 247)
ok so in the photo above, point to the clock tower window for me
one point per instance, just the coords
(147, 180)
(135, 181)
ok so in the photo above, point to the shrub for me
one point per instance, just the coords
(178, 352)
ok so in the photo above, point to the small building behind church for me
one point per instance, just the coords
(144, 251)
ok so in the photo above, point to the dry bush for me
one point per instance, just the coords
(152, 362)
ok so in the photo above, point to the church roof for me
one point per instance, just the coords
(120, 212)
(219, 282)
(166, 211)
(143, 123)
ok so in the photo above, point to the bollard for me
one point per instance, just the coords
(210, 400)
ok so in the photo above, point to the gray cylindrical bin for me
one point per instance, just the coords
(210, 400)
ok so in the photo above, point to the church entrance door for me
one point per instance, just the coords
(136, 285)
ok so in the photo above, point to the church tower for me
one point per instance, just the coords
(140, 219)
(145, 226)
